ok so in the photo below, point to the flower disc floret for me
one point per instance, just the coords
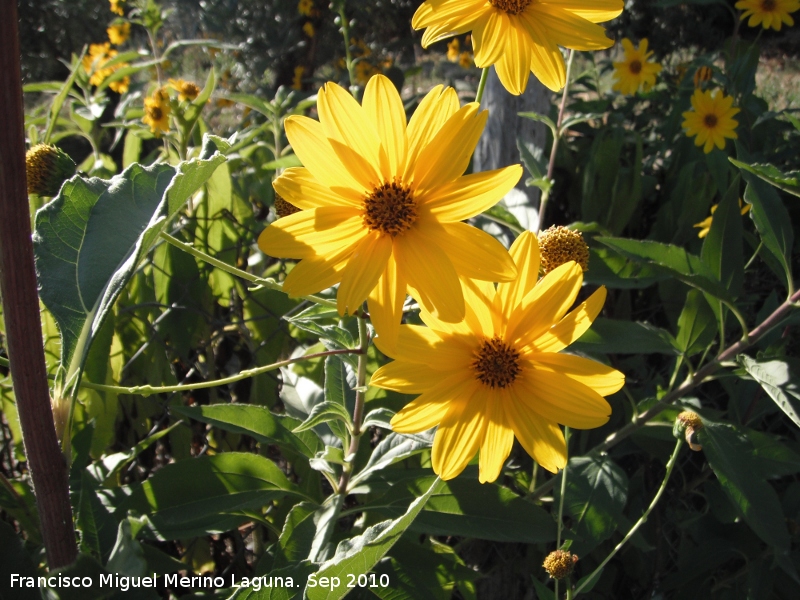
(496, 364)
(512, 7)
(559, 564)
(390, 209)
(559, 245)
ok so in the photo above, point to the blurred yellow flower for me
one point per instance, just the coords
(520, 36)
(382, 204)
(465, 59)
(116, 8)
(297, 80)
(499, 372)
(711, 119)
(187, 90)
(364, 70)
(636, 71)
(453, 50)
(306, 7)
(308, 29)
(157, 111)
(702, 75)
(705, 224)
(118, 34)
(768, 13)
(94, 64)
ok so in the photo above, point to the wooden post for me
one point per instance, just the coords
(21, 310)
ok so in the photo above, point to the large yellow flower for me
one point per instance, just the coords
(768, 13)
(383, 204)
(711, 119)
(498, 373)
(635, 71)
(520, 36)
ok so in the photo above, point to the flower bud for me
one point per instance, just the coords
(559, 245)
(47, 167)
(702, 75)
(688, 423)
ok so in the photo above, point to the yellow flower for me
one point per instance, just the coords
(711, 119)
(768, 13)
(116, 8)
(156, 112)
(520, 36)
(94, 63)
(383, 202)
(364, 70)
(705, 224)
(118, 34)
(702, 75)
(453, 49)
(120, 85)
(635, 71)
(308, 29)
(499, 372)
(305, 7)
(465, 59)
(297, 80)
(187, 90)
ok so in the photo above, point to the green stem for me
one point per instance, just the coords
(563, 491)
(670, 466)
(482, 84)
(358, 411)
(348, 55)
(551, 167)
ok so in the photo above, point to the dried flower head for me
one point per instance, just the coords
(560, 245)
(559, 564)
(689, 423)
(47, 167)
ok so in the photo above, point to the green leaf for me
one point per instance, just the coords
(777, 379)
(61, 96)
(257, 422)
(723, 248)
(772, 221)
(297, 536)
(14, 560)
(597, 490)
(542, 119)
(731, 457)
(686, 267)
(290, 160)
(89, 240)
(532, 158)
(609, 336)
(323, 413)
(500, 214)
(788, 182)
(339, 384)
(204, 495)
(393, 448)
(697, 325)
(282, 584)
(361, 553)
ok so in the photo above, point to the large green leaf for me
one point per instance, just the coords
(257, 422)
(393, 448)
(788, 182)
(361, 553)
(777, 379)
(697, 324)
(90, 238)
(208, 494)
(610, 336)
(723, 248)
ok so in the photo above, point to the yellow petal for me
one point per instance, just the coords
(562, 400)
(312, 232)
(569, 30)
(525, 254)
(476, 254)
(480, 317)
(514, 66)
(546, 60)
(572, 326)
(601, 378)
(433, 112)
(499, 437)
(459, 436)
(386, 115)
(422, 345)
(365, 267)
(546, 303)
(488, 37)
(431, 408)
(315, 152)
(542, 439)
(448, 19)
(315, 274)
(596, 11)
(470, 195)
(386, 304)
(406, 378)
(299, 187)
(431, 273)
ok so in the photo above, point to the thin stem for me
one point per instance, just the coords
(563, 491)
(482, 84)
(691, 382)
(358, 411)
(670, 466)
(551, 167)
(348, 55)
(755, 254)
(146, 390)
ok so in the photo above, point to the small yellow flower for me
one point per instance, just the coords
(120, 85)
(308, 29)
(116, 8)
(94, 63)
(520, 36)
(499, 373)
(297, 80)
(702, 75)
(364, 70)
(306, 7)
(383, 203)
(636, 71)
(157, 111)
(119, 34)
(768, 13)
(465, 59)
(705, 224)
(453, 50)
(711, 119)
(187, 90)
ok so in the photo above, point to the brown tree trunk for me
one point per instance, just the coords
(498, 146)
(21, 310)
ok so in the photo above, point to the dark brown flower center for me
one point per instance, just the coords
(496, 364)
(635, 67)
(155, 113)
(710, 121)
(768, 5)
(512, 7)
(390, 208)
